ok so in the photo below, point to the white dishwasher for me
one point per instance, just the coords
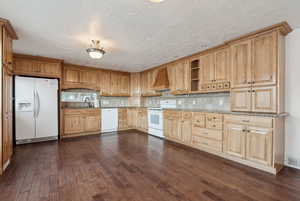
(109, 119)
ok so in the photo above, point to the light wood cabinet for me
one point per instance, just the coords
(37, 66)
(142, 119)
(135, 84)
(132, 117)
(179, 77)
(241, 64)
(258, 99)
(81, 122)
(147, 81)
(73, 123)
(178, 126)
(104, 83)
(235, 140)
(259, 145)
(207, 64)
(79, 77)
(222, 65)
(122, 119)
(120, 84)
(264, 59)
(241, 99)
(249, 138)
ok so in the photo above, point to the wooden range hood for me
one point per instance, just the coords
(161, 80)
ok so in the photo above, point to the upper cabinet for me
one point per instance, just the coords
(210, 72)
(179, 77)
(104, 82)
(37, 66)
(135, 84)
(79, 77)
(256, 63)
(120, 84)
(7, 51)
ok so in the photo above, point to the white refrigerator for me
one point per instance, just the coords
(36, 109)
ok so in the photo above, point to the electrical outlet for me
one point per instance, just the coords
(194, 102)
(179, 102)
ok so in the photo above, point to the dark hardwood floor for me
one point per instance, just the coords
(136, 167)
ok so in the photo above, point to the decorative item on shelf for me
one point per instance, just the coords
(96, 51)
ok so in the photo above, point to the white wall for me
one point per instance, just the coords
(293, 95)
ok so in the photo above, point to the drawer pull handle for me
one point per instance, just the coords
(246, 121)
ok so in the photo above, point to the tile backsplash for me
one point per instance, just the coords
(218, 101)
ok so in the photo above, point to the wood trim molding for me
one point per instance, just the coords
(93, 68)
(9, 28)
(37, 58)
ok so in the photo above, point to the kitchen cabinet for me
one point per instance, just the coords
(120, 84)
(222, 65)
(241, 64)
(142, 119)
(37, 66)
(122, 119)
(178, 126)
(135, 84)
(104, 83)
(259, 145)
(207, 131)
(249, 138)
(81, 122)
(207, 64)
(257, 99)
(179, 77)
(235, 140)
(264, 58)
(132, 116)
(79, 77)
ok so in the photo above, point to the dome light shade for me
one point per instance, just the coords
(156, 1)
(95, 51)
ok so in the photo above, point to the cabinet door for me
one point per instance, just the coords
(235, 140)
(222, 65)
(264, 59)
(50, 69)
(182, 77)
(104, 84)
(115, 83)
(264, 99)
(168, 127)
(135, 84)
(122, 118)
(241, 99)
(73, 124)
(208, 68)
(259, 145)
(144, 83)
(125, 85)
(241, 64)
(186, 130)
(71, 76)
(92, 123)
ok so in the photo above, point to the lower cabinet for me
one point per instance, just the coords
(177, 126)
(81, 122)
(138, 118)
(122, 119)
(249, 139)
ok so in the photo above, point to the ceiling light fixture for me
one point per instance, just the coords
(156, 1)
(95, 51)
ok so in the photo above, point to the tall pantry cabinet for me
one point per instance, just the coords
(7, 34)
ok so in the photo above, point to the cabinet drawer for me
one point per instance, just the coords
(206, 143)
(250, 120)
(214, 117)
(186, 115)
(198, 119)
(208, 133)
(218, 125)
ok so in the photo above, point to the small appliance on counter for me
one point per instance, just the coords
(155, 117)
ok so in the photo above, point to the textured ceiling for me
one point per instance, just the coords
(137, 34)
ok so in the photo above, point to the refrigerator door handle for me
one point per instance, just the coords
(34, 107)
(38, 104)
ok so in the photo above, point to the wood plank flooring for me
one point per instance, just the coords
(136, 167)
